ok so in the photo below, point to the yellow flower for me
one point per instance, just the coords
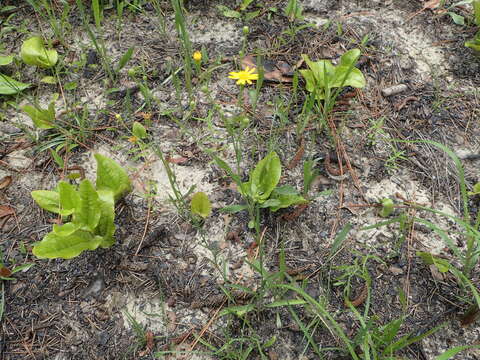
(197, 56)
(132, 139)
(245, 76)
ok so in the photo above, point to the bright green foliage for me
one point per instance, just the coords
(201, 205)
(92, 212)
(5, 60)
(262, 185)
(42, 118)
(322, 75)
(293, 10)
(33, 52)
(139, 130)
(9, 86)
(387, 207)
(475, 42)
(111, 176)
(476, 190)
(441, 264)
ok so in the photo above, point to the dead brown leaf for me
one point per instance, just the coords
(273, 71)
(4, 271)
(429, 5)
(149, 343)
(360, 299)
(178, 160)
(6, 211)
(5, 182)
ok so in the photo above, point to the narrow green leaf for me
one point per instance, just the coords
(125, 59)
(48, 200)
(111, 176)
(441, 264)
(201, 205)
(339, 239)
(232, 209)
(454, 351)
(238, 310)
(49, 80)
(66, 247)
(33, 52)
(9, 86)
(227, 12)
(88, 213)
(97, 15)
(457, 19)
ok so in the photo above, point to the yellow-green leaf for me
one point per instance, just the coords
(201, 205)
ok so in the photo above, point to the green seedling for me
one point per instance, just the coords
(387, 207)
(261, 190)
(33, 52)
(322, 75)
(293, 10)
(201, 205)
(91, 212)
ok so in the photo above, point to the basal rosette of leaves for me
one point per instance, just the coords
(322, 75)
(262, 185)
(90, 209)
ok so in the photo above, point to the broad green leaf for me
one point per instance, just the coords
(251, 15)
(387, 207)
(69, 198)
(66, 247)
(49, 80)
(457, 19)
(348, 76)
(9, 86)
(441, 264)
(33, 52)
(265, 177)
(286, 190)
(286, 200)
(106, 225)
(111, 176)
(310, 82)
(65, 229)
(201, 205)
(42, 118)
(350, 58)
(88, 212)
(321, 70)
(139, 130)
(5, 60)
(270, 203)
(48, 200)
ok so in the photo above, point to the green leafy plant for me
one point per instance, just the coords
(322, 76)
(33, 52)
(261, 190)
(42, 118)
(474, 44)
(91, 212)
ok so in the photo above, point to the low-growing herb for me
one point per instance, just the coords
(91, 211)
